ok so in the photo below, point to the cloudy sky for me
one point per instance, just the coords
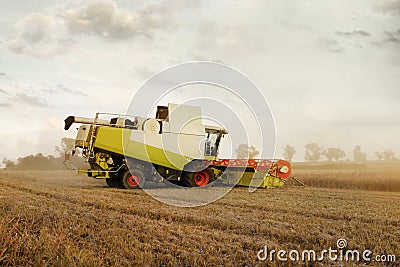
(330, 70)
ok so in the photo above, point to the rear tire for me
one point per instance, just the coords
(114, 182)
(134, 179)
(198, 179)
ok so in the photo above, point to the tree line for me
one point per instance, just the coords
(315, 152)
(42, 162)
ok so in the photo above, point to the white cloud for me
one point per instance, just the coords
(103, 18)
(355, 33)
(36, 136)
(31, 100)
(36, 37)
(5, 105)
(391, 38)
(388, 6)
(41, 35)
(2, 45)
(330, 44)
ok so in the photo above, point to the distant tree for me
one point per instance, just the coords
(8, 164)
(313, 152)
(253, 152)
(388, 154)
(50, 162)
(66, 145)
(379, 155)
(244, 151)
(288, 152)
(358, 154)
(333, 153)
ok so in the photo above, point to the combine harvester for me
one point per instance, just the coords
(130, 151)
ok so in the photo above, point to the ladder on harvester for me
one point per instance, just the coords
(92, 138)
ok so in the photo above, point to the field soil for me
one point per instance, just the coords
(59, 218)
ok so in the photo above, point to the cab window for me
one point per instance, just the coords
(211, 144)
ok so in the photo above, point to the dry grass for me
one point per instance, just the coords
(373, 176)
(58, 218)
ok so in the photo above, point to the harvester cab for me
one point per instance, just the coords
(212, 140)
(129, 151)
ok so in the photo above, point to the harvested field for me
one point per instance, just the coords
(59, 218)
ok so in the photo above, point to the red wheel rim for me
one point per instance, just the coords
(133, 180)
(287, 174)
(201, 178)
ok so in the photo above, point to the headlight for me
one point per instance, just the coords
(284, 169)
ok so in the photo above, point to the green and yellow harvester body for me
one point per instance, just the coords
(175, 146)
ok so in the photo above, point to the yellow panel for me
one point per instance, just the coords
(112, 139)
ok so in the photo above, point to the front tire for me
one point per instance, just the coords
(198, 179)
(134, 179)
(115, 180)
